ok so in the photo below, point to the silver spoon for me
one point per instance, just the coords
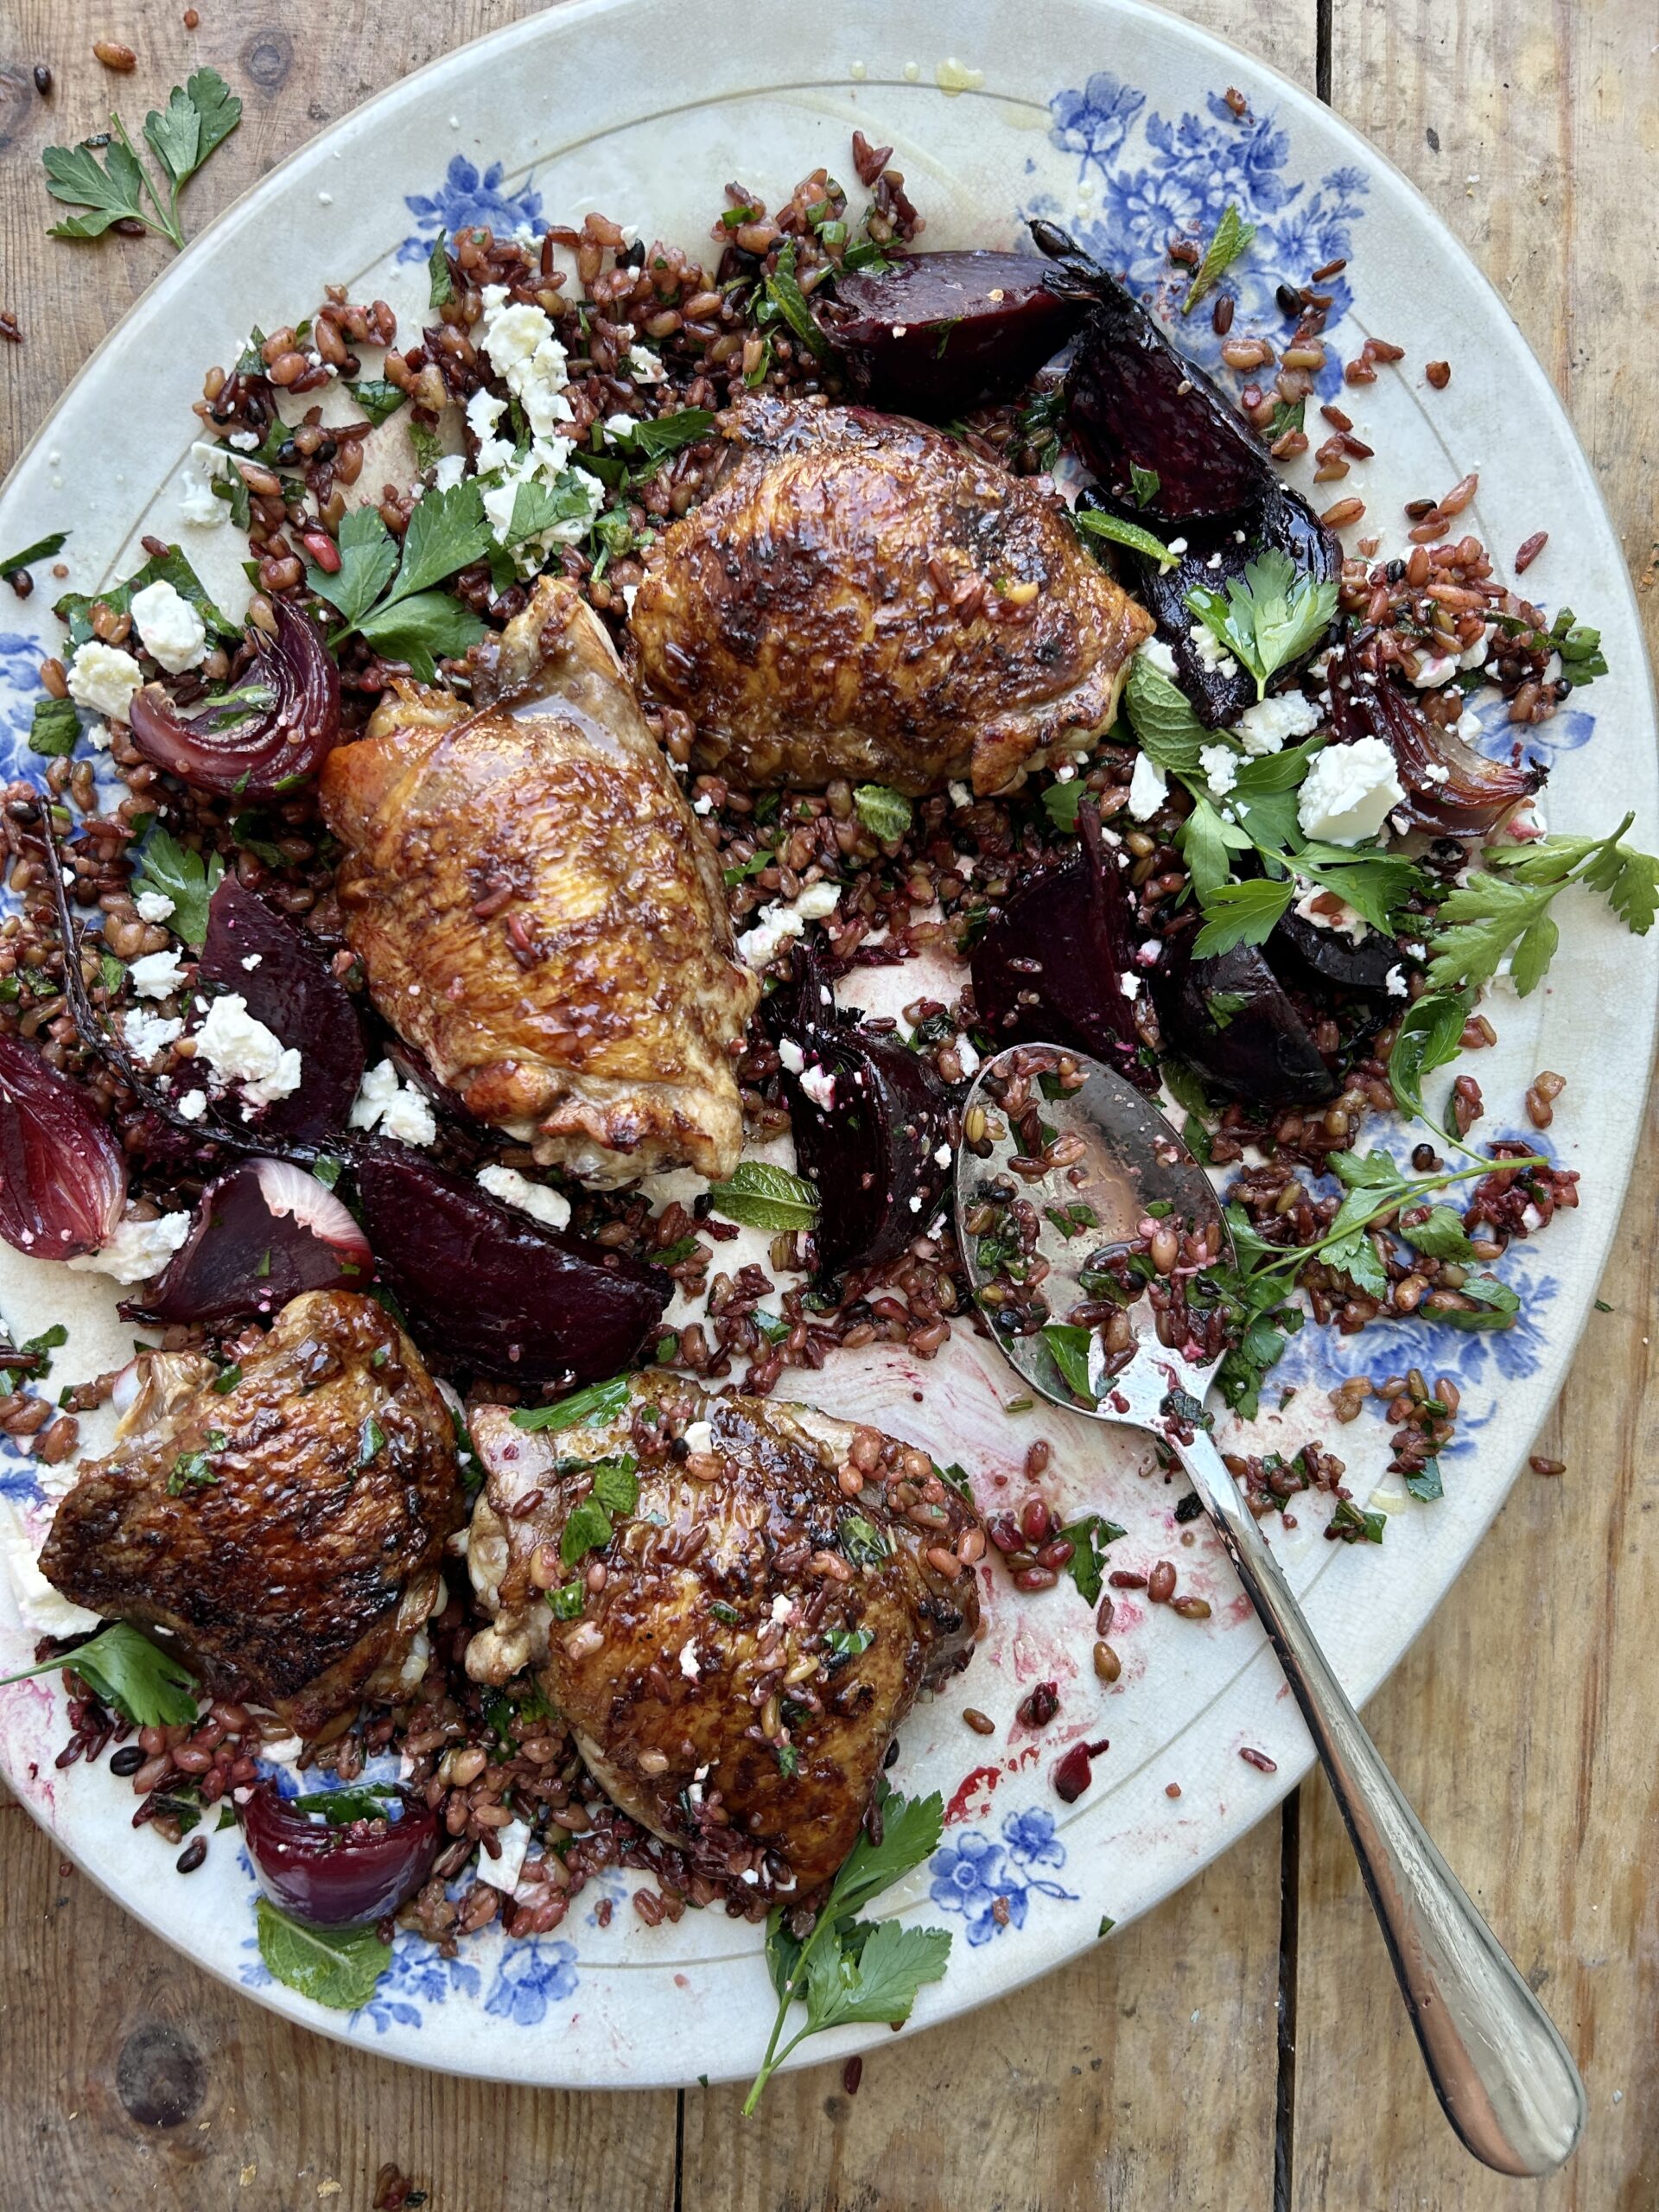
(1500, 2069)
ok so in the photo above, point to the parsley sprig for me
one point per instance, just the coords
(1504, 908)
(1268, 617)
(389, 597)
(199, 117)
(849, 1969)
(126, 1670)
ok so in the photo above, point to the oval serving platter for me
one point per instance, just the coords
(1110, 118)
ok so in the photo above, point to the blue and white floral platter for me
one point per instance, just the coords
(1111, 118)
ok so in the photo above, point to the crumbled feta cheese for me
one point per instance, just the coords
(688, 1660)
(513, 1189)
(484, 412)
(1129, 982)
(193, 1105)
(968, 1056)
(960, 795)
(643, 366)
(250, 962)
(1220, 766)
(1433, 671)
(239, 1049)
(1348, 791)
(199, 504)
(99, 737)
(38, 1606)
(789, 1055)
(819, 1085)
(1475, 655)
(1396, 980)
(528, 358)
(503, 1873)
(699, 1436)
(1323, 910)
(401, 1112)
(153, 906)
(1271, 724)
(774, 926)
(157, 975)
(173, 634)
(1212, 653)
(630, 593)
(1157, 654)
(1469, 729)
(103, 678)
(138, 1249)
(447, 471)
(941, 1155)
(1148, 788)
(817, 901)
(782, 1608)
(620, 426)
(149, 1034)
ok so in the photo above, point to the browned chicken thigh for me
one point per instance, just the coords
(757, 1633)
(537, 911)
(289, 1531)
(862, 597)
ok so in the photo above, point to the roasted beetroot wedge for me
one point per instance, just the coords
(63, 1178)
(1049, 965)
(253, 748)
(1372, 965)
(938, 334)
(289, 986)
(871, 1121)
(1231, 1017)
(484, 1286)
(262, 1234)
(1135, 402)
(1450, 789)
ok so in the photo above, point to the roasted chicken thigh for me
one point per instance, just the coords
(862, 597)
(757, 1633)
(537, 911)
(287, 1531)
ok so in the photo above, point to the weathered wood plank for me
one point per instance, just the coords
(1519, 1725)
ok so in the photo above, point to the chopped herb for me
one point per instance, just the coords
(722, 1611)
(1098, 524)
(1145, 483)
(1355, 1525)
(589, 1528)
(789, 1761)
(185, 877)
(786, 299)
(339, 1807)
(226, 1380)
(567, 1601)
(847, 1643)
(616, 1484)
(762, 1196)
(41, 549)
(1089, 1538)
(1068, 1347)
(54, 731)
(1425, 1483)
(370, 1441)
(863, 1543)
(378, 400)
(886, 814)
(440, 288)
(599, 1404)
(125, 1671)
(1232, 236)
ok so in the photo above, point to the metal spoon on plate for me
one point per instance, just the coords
(1503, 2073)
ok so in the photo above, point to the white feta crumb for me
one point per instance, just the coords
(1269, 725)
(157, 975)
(103, 678)
(643, 366)
(149, 1034)
(1220, 766)
(240, 1050)
(1157, 654)
(153, 906)
(38, 1606)
(817, 901)
(1433, 671)
(620, 426)
(968, 1056)
(916, 1203)
(789, 1055)
(1348, 791)
(1178, 546)
(207, 462)
(1148, 788)
(820, 1087)
(1396, 980)
(193, 1105)
(703, 804)
(688, 1661)
(1129, 982)
(941, 1155)
(1475, 655)
(503, 1873)
(401, 1112)
(138, 1249)
(447, 471)
(1212, 653)
(99, 737)
(244, 441)
(513, 1189)
(251, 961)
(1063, 774)
(173, 631)
(699, 1436)
(775, 926)
(960, 795)
(630, 593)
(782, 1608)
(325, 200)
(1323, 910)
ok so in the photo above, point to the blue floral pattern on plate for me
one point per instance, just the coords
(467, 198)
(975, 1874)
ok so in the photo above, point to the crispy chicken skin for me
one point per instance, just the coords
(538, 913)
(703, 1682)
(288, 1532)
(863, 597)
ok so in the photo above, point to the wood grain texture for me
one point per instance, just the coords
(1145, 2076)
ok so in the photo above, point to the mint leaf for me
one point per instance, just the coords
(589, 1528)
(1168, 731)
(54, 730)
(378, 400)
(1060, 804)
(1426, 1483)
(1068, 1346)
(786, 299)
(336, 1966)
(440, 287)
(1089, 1538)
(152, 1688)
(1232, 236)
(188, 879)
(762, 1196)
(616, 1485)
(1131, 534)
(41, 549)
(886, 814)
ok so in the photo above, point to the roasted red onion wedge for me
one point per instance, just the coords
(63, 1178)
(1229, 1016)
(251, 751)
(938, 334)
(287, 985)
(1450, 789)
(339, 1874)
(484, 1285)
(1049, 965)
(262, 1234)
(1133, 401)
(870, 1120)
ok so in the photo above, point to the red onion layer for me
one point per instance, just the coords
(63, 1180)
(253, 753)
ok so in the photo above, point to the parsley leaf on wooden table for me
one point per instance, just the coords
(197, 118)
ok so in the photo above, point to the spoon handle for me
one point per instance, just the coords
(1499, 2067)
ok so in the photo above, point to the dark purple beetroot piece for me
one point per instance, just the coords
(872, 1144)
(262, 1234)
(1450, 788)
(484, 1286)
(1134, 400)
(1230, 1017)
(337, 1876)
(292, 989)
(63, 1178)
(244, 751)
(1331, 955)
(1282, 519)
(1048, 964)
(938, 334)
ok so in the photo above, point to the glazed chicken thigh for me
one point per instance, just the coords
(758, 1635)
(287, 1531)
(862, 597)
(539, 913)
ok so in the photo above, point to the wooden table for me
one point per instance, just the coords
(1241, 2049)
